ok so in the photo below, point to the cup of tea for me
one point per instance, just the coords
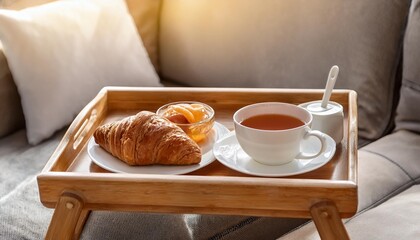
(272, 132)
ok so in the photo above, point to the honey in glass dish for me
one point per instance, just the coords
(196, 119)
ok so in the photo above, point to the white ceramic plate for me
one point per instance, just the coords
(228, 152)
(105, 160)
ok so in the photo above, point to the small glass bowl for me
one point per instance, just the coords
(198, 130)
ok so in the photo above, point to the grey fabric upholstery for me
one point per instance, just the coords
(22, 215)
(386, 168)
(10, 109)
(395, 219)
(22, 160)
(398, 218)
(408, 112)
(289, 43)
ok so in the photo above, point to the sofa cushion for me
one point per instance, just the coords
(288, 44)
(22, 216)
(408, 113)
(10, 107)
(395, 219)
(72, 49)
(21, 160)
(386, 168)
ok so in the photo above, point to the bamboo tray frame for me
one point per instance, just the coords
(73, 185)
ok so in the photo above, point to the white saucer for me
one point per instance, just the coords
(228, 152)
(105, 160)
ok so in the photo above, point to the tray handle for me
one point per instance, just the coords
(84, 129)
(75, 137)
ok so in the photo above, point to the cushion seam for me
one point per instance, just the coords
(252, 220)
(406, 185)
(390, 160)
(411, 85)
(394, 192)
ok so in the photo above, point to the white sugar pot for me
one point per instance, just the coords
(328, 120)
(327, 116)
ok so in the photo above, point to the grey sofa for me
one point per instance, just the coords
(247, 43)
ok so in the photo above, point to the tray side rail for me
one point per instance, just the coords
(199, 194)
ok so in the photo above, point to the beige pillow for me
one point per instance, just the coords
(62, 53)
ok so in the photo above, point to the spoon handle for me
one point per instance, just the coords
(332, 76)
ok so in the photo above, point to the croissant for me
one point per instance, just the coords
(146, 139)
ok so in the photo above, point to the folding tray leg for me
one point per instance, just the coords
(68, 218)
(328, 222)
(81, 223)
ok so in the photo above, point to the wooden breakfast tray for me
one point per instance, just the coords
(74, 185)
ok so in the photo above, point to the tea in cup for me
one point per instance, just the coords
(272, 132)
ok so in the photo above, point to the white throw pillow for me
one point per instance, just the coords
(62, 53)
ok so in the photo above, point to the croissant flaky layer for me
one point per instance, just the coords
(146, 139)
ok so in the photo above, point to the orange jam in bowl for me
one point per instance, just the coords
(196, 119)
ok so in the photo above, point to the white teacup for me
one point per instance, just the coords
(276, 147)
